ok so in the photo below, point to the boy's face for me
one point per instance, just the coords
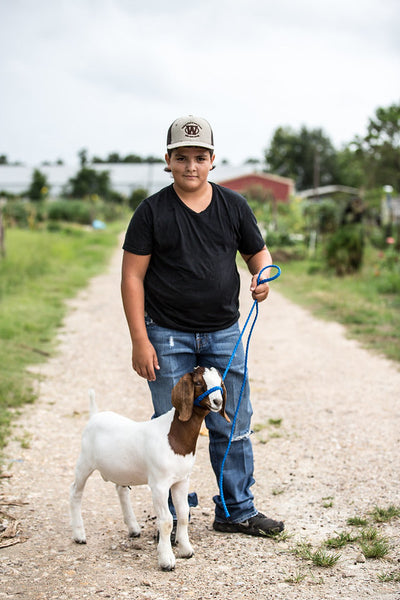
(190, 167)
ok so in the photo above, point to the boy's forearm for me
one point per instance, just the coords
(132, 291)
(258, 261)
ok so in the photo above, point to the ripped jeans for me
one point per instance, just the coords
(180, 352)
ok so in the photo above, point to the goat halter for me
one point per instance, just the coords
(206, 393)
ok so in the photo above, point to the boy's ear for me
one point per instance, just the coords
(167, 160)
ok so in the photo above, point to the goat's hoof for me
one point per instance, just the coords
(187, 554)
(167, 563)
(167, 568)
(78, 541)
(134, 534)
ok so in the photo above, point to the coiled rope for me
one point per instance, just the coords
(213, 389)
(255, 306)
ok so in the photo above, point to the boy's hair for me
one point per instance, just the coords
(169, 152)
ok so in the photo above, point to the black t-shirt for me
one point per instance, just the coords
(192, 283)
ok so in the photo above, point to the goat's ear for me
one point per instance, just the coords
(182, 397)
(222, 411)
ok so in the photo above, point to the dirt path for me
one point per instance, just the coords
(334, 456)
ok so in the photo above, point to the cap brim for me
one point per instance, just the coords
(194, 144)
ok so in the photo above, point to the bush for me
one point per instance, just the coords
(88, 182)
(322, 216)
(72, 211)
(279, 238)
(16, 213)
(345, 249)
(388, 271)
(136, 197)
(20, 213)
(389, 283)
(39, 187)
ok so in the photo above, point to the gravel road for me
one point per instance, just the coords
(327, 421)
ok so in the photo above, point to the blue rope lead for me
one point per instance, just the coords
(255, 306)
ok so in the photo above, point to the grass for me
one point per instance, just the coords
(258, 429)
(393, 576)
(370, 316)
(40, 270)
(368, 538)
(341, 540)
(357, 521)
(378, 548)
(382, 515)
(319, 557)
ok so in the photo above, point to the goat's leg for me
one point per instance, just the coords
(82, 472)
(127, 511)
(179, 493)
(166, 558)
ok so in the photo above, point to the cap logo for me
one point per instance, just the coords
(192, 129)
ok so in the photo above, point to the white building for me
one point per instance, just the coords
(124, 177)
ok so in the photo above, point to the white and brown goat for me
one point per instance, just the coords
(159, 452)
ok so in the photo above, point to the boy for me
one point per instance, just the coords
(180, 290)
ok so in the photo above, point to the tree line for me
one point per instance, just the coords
(306, 155)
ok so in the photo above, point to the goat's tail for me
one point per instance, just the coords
(93, 405)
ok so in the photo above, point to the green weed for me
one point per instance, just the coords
(389, 577)
(298, 577)
(357, 521)
(319, 558)
(341, 540)
(382, 515)
(369, 534)
(378, 548)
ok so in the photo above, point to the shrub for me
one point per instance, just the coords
(73, 211)
(15, 212)
(20, 213)
(88, 182)
(39, 187)
(345, 249)
(136, 197)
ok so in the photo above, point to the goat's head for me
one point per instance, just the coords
(192, 385)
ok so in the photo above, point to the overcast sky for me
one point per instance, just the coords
(111, 75)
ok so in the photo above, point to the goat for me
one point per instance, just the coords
(159, 452)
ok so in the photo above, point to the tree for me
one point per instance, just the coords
(83, 158)
(307, 156)
(39, 187)
(350, 167)
(89, 181)
(379, 150)
(137, 196)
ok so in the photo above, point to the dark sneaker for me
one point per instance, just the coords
(259, 525)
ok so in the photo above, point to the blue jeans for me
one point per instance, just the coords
(180, 352)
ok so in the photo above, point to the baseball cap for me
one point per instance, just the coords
(190, 131)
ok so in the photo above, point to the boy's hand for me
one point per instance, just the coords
(144, 360)
(259, 292)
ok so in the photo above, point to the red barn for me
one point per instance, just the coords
(278, 188)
